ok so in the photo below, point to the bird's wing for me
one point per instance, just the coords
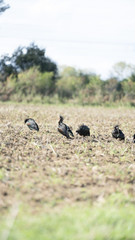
(63, 130)
(31, 123)
(70, 132)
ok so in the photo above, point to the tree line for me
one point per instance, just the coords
(28, 75)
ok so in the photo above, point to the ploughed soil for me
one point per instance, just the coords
(46, 169)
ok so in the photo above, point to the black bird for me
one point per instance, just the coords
(64, 129)
(134, 138)
(31, 124)
(83, 130)
(117, 133)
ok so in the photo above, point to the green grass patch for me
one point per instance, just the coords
(113, 220)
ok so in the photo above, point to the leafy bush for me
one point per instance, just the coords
(31, 83)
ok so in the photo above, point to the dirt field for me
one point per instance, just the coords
(44, 168)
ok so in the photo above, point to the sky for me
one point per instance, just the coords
(91, 35)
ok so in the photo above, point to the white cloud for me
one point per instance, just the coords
(50, 7)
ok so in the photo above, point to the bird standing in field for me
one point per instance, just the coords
(31, 124)
(117, 133)
(83, 130)
(64, 129)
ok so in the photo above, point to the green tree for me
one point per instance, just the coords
(129, 87)
(67, 86)
(112, 90)
(68, 82)
(31, 83)
(90, 91)
(68, 71)
(23, 59)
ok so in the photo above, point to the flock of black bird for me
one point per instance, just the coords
(83, 130)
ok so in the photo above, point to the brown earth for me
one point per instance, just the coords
(44, 168)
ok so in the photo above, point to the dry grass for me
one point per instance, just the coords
(44, 168)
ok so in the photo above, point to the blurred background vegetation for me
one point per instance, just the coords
(29, 76)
